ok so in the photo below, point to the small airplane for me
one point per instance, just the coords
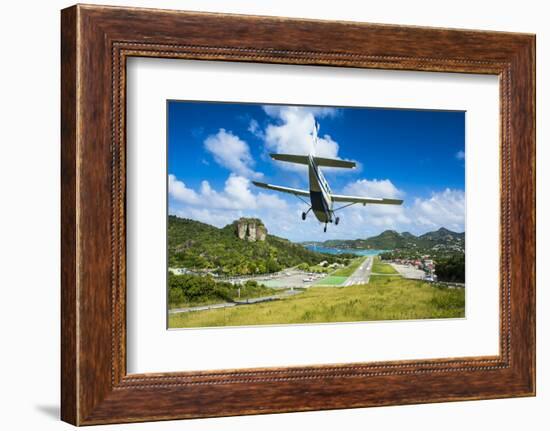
(321, 198)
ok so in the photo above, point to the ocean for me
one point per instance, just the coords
(356, 251)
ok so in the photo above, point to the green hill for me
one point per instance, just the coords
(441, 239)
(389, 240)
(199, 246)
(443, 236)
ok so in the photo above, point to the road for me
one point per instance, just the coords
(283, 280)
(361, 274)
(237, 302)
(409, 271)
(201, 308)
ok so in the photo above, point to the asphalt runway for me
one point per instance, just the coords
(361, 274)
(290, 278)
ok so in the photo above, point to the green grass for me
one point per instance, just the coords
(331, 280)
(277, 283)
(382, 268)
(253, 292)
(246, 292)
(384, 298)
(383, 279)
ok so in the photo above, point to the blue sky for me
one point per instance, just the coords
(216, 149)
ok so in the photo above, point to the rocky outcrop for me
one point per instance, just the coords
(250, 229)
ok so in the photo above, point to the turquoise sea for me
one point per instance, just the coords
(357, 251)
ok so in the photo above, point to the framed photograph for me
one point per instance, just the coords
(240, 256)
(323, 214)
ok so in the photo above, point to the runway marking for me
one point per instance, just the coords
(361, 274)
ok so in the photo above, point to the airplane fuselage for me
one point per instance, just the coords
(319, 193)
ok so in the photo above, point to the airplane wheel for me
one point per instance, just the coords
(325, 229)
(303, 216)
(337, 221)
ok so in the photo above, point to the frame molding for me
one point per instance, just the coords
(95, 42)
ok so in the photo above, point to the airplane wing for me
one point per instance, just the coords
(291, 158)
(365, 200)
(334, 163)
(296, 192)
(321, 161)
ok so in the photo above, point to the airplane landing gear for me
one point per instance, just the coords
(325, 229)
(337, 221)
(303, 216)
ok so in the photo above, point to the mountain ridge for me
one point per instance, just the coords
(391, 239)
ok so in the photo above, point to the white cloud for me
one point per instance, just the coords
(236, 195)
(442, 209)
(460, 155)
(178, 190)
(231, 152)
(237, 199)
(255, 129)
(292, 134)
(379, 216)
(373, 188)
(279, 111)
(208, 216)
(253, 126)
(279, 221)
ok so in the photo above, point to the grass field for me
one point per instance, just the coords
(331, 280)
(383, 279)
(246, 292)
(277, 283)
(384, 298)
(382, 268)
(350, 269)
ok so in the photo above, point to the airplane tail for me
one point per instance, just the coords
(334, 163)
(320, 161)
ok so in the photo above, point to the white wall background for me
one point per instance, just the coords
(29, 216)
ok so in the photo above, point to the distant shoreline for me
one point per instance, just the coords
(337, 250)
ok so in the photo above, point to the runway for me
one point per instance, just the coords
(361, 274)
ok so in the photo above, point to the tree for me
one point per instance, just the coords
(272, 265)
(451, 269)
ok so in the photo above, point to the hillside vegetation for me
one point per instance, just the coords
(199, 246)
(194, 290)
(441, 239)
(451, 269)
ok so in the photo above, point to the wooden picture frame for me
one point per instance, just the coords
(95, 43)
